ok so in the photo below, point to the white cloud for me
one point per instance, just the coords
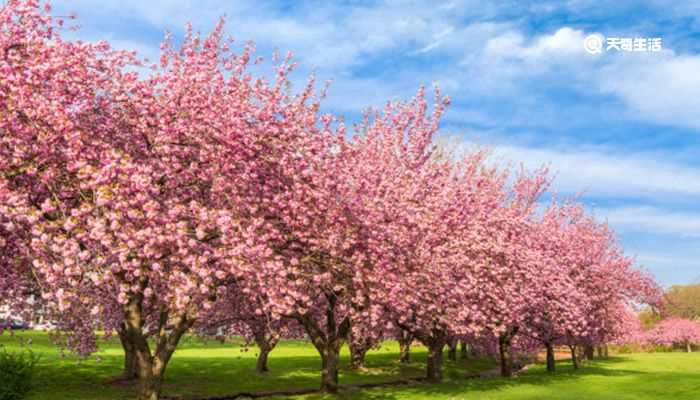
(653, 220)
(495, 57)
(511, 45)
(601, 172)
(438, 40)
(507, 61)
(661, 86)
(322, 35)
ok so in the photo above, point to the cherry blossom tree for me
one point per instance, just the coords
(581, 301)
(335, 237)
(18, 290)
(427, 286)
(449, 244)
(628, 329)
(675, 331)
(511, 274)
(141, 191)
(242, 312)
(49, 101)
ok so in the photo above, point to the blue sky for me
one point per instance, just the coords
(621, 127)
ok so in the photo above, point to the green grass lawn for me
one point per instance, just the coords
(655, 376)
(210, 369)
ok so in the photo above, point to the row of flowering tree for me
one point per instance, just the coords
(672, 331)
(191, 196)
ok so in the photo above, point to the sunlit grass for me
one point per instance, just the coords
(655, 376)
(213, 369)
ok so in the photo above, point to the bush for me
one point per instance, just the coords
(16, 371)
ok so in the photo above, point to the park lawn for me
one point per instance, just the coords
(212, 368)
(647, 376)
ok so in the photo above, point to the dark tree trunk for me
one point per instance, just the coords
(504, 348)
(463, 351)
(574, 356)
(151, 368)
(605, 351)
(329, 368)
(151, 365)
(435, 341)
(434, 362)
(551, 363)
(452, 350)
(266, 343)
(330, 355)
(261, 364)
(405, 339)
(327, 340)
(588, 352)
(130, 367)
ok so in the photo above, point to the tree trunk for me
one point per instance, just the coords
(150, 385)
(327, 339)
(551, 365)
(452, 350)
(588, 352)
(261, 364)
(405, 340)
(330, 356)
(688, 347)
(357, 356)
(359, 345)
(434, 367)
(599, 351)
(574, 357)
(504, 343)
(151, 366)
(605, 351)
(130, 366)
(266, 343)
(463, 351)
(151, 370)
(329, 368)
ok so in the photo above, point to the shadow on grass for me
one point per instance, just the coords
(301, 373)
(201, 377)
(537, 376)
(289, 373)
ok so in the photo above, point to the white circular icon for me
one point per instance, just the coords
(593, 44)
